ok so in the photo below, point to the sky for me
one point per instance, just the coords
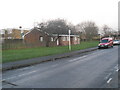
(15, 13)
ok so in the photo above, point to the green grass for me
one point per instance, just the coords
(21, 54)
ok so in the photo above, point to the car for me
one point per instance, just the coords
(105, 43)
(116, 42)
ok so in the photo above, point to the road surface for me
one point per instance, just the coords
(96, 69)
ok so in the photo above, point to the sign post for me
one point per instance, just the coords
(69, 40)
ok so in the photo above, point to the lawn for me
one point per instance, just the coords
(21, 54)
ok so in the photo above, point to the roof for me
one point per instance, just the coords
(50, 34)
(64, 35)
(35, 29)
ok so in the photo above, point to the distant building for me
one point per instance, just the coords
(13, 33)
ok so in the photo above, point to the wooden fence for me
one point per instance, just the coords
(16, 44)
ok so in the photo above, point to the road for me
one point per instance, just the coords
(96, 69)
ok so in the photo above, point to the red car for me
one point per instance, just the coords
(105, 43)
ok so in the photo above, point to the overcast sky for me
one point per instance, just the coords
(15, 13)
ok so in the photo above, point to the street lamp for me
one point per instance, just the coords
(20, 27)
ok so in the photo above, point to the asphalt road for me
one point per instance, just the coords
(97, 69)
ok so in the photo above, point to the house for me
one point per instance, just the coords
(41, 38)
(13, 33)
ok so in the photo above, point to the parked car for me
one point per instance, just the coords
(116, 42)
(105, 43)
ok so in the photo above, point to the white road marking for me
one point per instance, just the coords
(27, 73)
(77, 59)
(18, 76)
(117, 70)
(109, 80)
(108, 76)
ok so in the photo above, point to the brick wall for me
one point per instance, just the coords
(16, 34)
(73, 41)
(35, 36)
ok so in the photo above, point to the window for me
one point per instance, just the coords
(52, 39)
(10, 31)
(9, 37)
(104, 41)
(64, 38)
(67, 38)
(41, 38)
(75, 38)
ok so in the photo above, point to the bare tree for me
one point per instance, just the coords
(89, 29)
(57, 26)
(107, 30)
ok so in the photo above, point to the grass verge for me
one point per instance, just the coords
(21, 54)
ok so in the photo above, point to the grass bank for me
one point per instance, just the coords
(21, 54)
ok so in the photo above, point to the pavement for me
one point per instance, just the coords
(33, 61)
(97, 69)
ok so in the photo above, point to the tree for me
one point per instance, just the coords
(6, 35)
(89, 29)
(57, 26)
(107, 31)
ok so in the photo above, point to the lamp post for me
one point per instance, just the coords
(20, 27)
(69, 40)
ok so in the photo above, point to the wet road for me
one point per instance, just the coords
(98, 69)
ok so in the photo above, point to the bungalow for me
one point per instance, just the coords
(41, 38)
